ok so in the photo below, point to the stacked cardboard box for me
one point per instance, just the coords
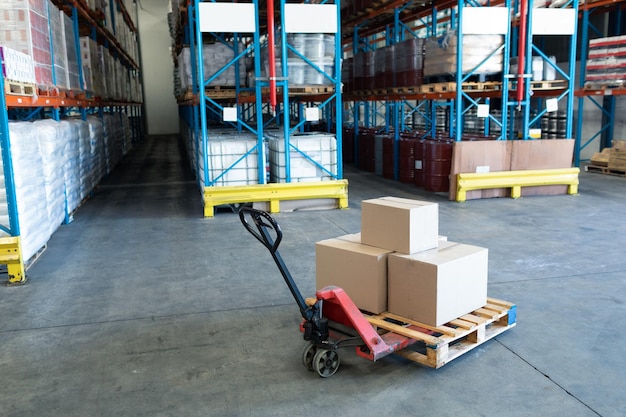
(617, 156)
(400, 264)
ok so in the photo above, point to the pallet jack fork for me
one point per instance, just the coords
(331, 320)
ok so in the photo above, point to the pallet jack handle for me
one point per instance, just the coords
(265, 227)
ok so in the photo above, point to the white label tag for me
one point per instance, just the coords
(229, 114)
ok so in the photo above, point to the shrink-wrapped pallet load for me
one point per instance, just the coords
(30, 191)
(24, 28)
(52, 136)
(441, 54)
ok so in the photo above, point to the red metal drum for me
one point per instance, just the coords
(388, 141)
(418, 162)
(437, 165)
(406, 160)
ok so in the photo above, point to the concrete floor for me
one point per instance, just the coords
(141, 307)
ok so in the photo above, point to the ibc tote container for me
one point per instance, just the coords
(317, 146)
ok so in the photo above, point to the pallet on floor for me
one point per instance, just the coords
(606, 170)
(436, 346)
(19, 88)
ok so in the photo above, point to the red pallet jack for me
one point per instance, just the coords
(332, 321)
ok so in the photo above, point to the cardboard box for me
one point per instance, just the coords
(361, 271)
(400, 224)
(439, 285)
(356, 237)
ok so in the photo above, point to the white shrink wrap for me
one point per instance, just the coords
(30, 189)
(440, 54)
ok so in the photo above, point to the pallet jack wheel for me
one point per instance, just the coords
(326, 362)
(308, 353)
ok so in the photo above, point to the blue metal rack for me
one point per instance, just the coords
(604, 100)
(503, 107)
(56, 107)
(208, 106)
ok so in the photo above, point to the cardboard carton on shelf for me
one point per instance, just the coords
(439, 285)
(360, 270)
(400, 224)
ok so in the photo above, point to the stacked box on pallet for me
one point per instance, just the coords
(59, 47)
(30, 191)
(232, 159)
(24, 27)
(441, 54)
(399, 264)
(312, 157)
(17, 66)
(606, 65)
(103, 59)
(71, 52)
(93, 71)
(617, 156)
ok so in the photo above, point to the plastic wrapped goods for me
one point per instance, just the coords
(71, 52)
(96, 148)
(440, 54)
(30, 189)
(215, 56)
(52, 137)
(58, 43)
(72, 170)
(24, 27)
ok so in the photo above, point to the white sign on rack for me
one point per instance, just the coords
(312, 114)
(310, 18)
(229, 114)
(227, 17)
(485, 20)
(554, 22)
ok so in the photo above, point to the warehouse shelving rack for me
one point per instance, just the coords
(56, 104)
(603, 99)
(250, 105)
(409, 18)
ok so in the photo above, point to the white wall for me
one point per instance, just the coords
(161, 107)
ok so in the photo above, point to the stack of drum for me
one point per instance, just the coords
(409, 58)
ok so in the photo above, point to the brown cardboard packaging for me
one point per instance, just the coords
(361, 271)
(542, 154)
(439, 285)
(400, 224)
(481, 155)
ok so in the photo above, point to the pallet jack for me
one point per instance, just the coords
(331, 320)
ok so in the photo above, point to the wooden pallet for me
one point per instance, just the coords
(605, 170)
(542, 85)
(436, 346)
(604, 86)
(466, 86)
(311, 89)
(19, 88)
(218, 91)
